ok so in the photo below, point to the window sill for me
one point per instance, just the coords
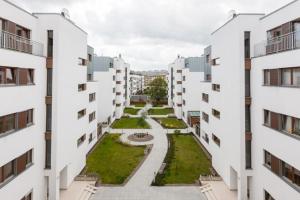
(16, 85)
(285, 133)
(282, 86)
(15, 130)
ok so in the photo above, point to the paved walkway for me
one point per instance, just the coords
(139, 186)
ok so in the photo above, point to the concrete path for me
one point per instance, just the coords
(139, 186)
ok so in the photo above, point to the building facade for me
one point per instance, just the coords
(248, 118)
(46, 134)
(185, 75)
(136, 84)
(112, 75)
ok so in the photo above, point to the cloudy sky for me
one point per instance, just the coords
(150, 33)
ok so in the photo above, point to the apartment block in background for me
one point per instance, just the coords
(185, 75)
(112, 75)
(136, 84)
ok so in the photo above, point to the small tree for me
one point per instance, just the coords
(158, 89)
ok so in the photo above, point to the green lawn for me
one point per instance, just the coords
(113, 161)
(171, 123)
(160, 111)
(138, 104)
(130, 123)
(131, 111)
(186, 161)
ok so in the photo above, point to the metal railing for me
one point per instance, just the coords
(17, 43)
(281, 43)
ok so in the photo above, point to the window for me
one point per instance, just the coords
(205, 117)
(92, 97)
(118, 104)
(81, 113)
(266, 77)
(91, 137)
(179, 82)
(179, 93)
(82, 61)
(118, 93)
(205, 138)
(8, 75)
(296, 128)
(286, 78)
(216, 140)
(81, 140)
(286, 123)
(29, 117)
(284, 170)
(81, 87)
(114, 102)
(268, 159)
(267, 118)
(179, 71)
(205, 97)
(92, 116)
(114, 77)
(90, 57)
(216, 61)
(216, 87)
(15, 167)
(183, 78)
(296, 76)
(282, 77)
(179, 105)
(183, 102)
(8, 170)
(216, 113)
(282, 123)
(183, 90)
(25, 76)
(207, 58)
(268, 196)
(118, 82)
(118, 71)
(114, 90)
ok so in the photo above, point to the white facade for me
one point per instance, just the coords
(55, 104)
(112, 74)
(235, 133)
(136, 84)
(183, 84)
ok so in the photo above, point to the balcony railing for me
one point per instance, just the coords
(281, 43)
(17, 43)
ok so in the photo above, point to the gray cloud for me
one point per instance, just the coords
(150, 33)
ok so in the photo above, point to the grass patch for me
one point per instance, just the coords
(161, 111)
(185, 160)
(113, 161)
(171, 123)
(138, 104)
(131, 111)
(130, 123)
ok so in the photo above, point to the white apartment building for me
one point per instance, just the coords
(185, 75)
(136, 84)
(249, 117)
(48, 108)
(112, 75)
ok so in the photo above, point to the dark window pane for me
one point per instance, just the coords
(8, 170)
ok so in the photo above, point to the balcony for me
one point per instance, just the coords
(21, 44)
(278, 44)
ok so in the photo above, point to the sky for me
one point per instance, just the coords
(149, 34)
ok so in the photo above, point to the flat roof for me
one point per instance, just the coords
(239, 14)
(70, 21)
(275, 11)
(18, 7)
